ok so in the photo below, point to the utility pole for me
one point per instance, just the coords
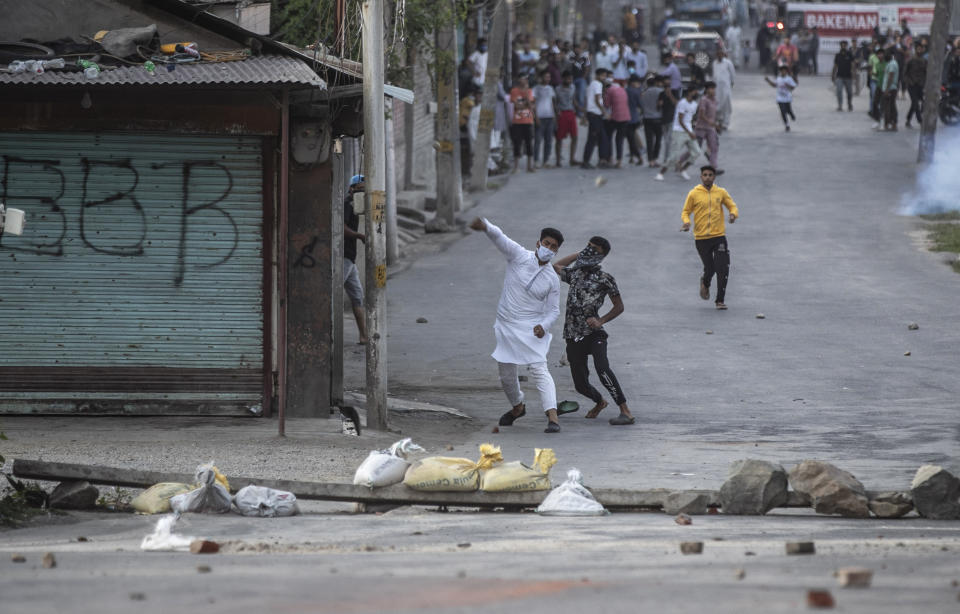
(498, 31)
(393, 248)
(449, 194)
(375, 223)
(931, 90)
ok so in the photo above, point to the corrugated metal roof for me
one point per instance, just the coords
(262, 70)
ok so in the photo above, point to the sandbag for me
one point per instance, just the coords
(156, 499)
(571, 499)
(385, 467)
(515, 476)
(209, 497)
(265, 502)
(443, 473)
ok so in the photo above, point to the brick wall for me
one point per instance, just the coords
(414, 132)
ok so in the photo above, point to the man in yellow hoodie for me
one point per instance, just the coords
(706, 203)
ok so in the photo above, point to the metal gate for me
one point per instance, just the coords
(137, 285)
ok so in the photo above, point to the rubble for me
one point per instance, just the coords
(16, 557)
(683, 519)
(935, 492)
(801, 548)
(854, 577)
(831, 490)
(686, 502)
(891, 504)
(421, 320)
(74, 495)
(204, 546)
(913, 326)
(819, 598)
(740, 574)
(760, 316)
(437, 224)
(753, 487)
(49, 561)
(691, 547)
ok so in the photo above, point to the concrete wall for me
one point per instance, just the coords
(414, 135)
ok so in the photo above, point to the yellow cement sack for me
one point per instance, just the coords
(443, 473)
(515, 476)
(156, 499)
(222, 479)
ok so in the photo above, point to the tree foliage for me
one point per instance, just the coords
(409, 27)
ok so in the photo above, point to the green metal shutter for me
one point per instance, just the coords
(139, 274)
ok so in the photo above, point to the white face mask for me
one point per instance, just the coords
(544, 254)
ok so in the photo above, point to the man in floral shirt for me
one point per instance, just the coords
(583, 326)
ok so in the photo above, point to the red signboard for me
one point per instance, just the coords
(916, 15)
(841, 23)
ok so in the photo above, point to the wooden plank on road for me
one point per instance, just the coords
(398, 494)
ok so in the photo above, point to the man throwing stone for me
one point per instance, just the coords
(529, 305)
(583, 326)
(706, 203)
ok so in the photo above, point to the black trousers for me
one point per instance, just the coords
(577, 352)
(916, 102)
(716, 260)
(596, 138)
(522, 137)
(653, 131)
(786, 108)
(616, 133)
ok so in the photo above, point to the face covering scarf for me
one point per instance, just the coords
(589, 258)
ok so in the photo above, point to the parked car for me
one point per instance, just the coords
(713, 15)
(672, 29)
(703, 45)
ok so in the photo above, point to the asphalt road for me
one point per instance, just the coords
(819, 250)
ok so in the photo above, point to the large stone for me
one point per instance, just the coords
(753, 487)
(831, 490)
(935, 492)
(437, 224)
(891, 504)
(74, 495)
(684, 502)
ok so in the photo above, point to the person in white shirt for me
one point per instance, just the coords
(529, 305)
(784, 85)
(596, 132)
(604, 58)
(620, 57)
(639, 60)
(723, 75)
(684, 149)
(478, 61)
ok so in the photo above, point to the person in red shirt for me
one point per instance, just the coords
(788, 55)
(618, 116)
(521, 131)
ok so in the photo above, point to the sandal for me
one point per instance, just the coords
(567, 407)
(622, 420)
(552, 427)
(508, 418)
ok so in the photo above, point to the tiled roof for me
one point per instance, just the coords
(262, 70)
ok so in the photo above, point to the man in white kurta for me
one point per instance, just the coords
(529, 305)
(723, 75)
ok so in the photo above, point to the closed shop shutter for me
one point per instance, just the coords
(139, 275)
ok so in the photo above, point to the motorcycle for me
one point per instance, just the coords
(949, 107)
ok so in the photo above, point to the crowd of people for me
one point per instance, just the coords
(613, 92)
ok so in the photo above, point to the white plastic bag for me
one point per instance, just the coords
(385, 467)
(265, 502)
(210, 497)
(571, 499)
(163, 539)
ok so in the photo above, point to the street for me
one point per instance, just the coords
(819, 251)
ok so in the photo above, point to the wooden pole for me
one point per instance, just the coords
(283, 261)
(495, 46)
(931, 90)
(449, 195)
(375, 224)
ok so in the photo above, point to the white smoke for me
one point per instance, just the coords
(938, 185)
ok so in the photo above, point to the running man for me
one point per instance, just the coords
(529, 305)
(784, 84)
(683, 150)
(583, 325)
(706, 203)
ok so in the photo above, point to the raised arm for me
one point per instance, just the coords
(507, 246)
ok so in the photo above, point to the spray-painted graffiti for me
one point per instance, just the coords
(102, 203)
(306, 259)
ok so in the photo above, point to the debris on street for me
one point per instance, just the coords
(801, 548)
(691, 547)
(854, 577)
(385, 467)
(571, 498)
